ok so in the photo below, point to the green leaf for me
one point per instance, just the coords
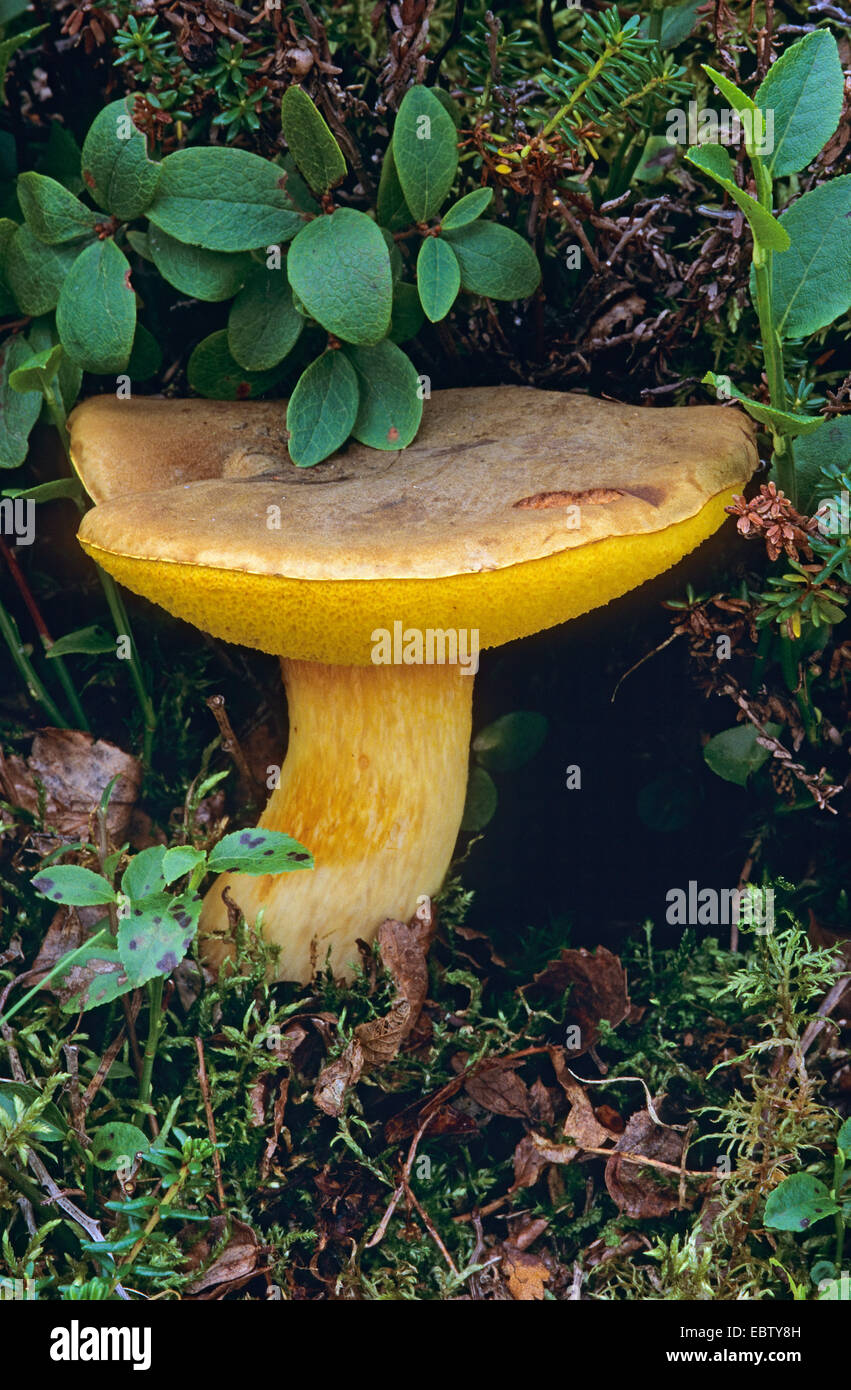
(10, 46)
(115, 1145)
(16, 1097)
(391, 407)
(780, 422)
(141, 243)
(311, 143)
(738, 100)
(18, 410)
(35, 273)
(72, 884)
(510, 741)
(831, 446)
(678, 21)
(155, 936)
(146, 357)
(264, 324)
(212, 372)
(116, 168)
(36, 372)
(52, 213)
(425, 150)
(843, 1138)
(48, 492)
(812, 284)
(339, 267)
(735, 753)
(223, 199)
(797, 1203)
(96, 313)
(297, 190)
(481, 801)
(467, 209)
(179, 861)
(391, 209)
(495, 261)
(96, 977)
(60, 158)
(804, 90)
(144, 874)
(89, 641)
(259, 852)
(408, 317)
(438, 277)
(207, 275)
(714, 161)
(322, 409)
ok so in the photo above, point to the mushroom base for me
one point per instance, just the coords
(373, 785)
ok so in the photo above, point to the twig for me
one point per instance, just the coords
(46, 640)
(230, 743)
(211, 1123)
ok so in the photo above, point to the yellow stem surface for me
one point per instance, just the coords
(373, 785)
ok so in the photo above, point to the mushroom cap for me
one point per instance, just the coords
(514, 510)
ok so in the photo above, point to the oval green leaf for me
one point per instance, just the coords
(797, 1203)
(802, 95)
(19, 410)
(74, 885)
(96, 313)
(812, 282)
(339, 267)
(438, 277)
(35, 273)
(208, 275)
(425, 150)
(52, 213)
(311, 143)
(264, 324)
(223, 199)
(467, 209)
(322, 409)
(116, 168)
(495, 261)
(391, 406)
(259, 852)
(214, 373)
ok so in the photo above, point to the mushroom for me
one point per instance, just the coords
(514, 510)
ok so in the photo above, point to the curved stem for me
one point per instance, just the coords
(373, 785)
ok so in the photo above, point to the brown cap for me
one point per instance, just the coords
(514, 510)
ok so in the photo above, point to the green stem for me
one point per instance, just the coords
(838, 1170)
(111, 592)
(155, 1001)
(68, 686)
(590, 78)
(59, 968)
(9, 630)
(772, 346)
(123, 628)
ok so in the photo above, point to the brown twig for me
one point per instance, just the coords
(211, 1123)
(230, 744)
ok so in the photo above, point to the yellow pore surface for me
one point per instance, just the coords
(333, 621)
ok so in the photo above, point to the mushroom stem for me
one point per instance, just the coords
(373, 784)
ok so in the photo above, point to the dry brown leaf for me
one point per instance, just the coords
(581, 1123)
(534, 1153)
(526, 1274)
(637, 1188)
(75, 770)
(233, 1267)
(598, 990)
(277, 1125)
(403, 953)
(335, 1079)
(501, 1091)
(381, 1038)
